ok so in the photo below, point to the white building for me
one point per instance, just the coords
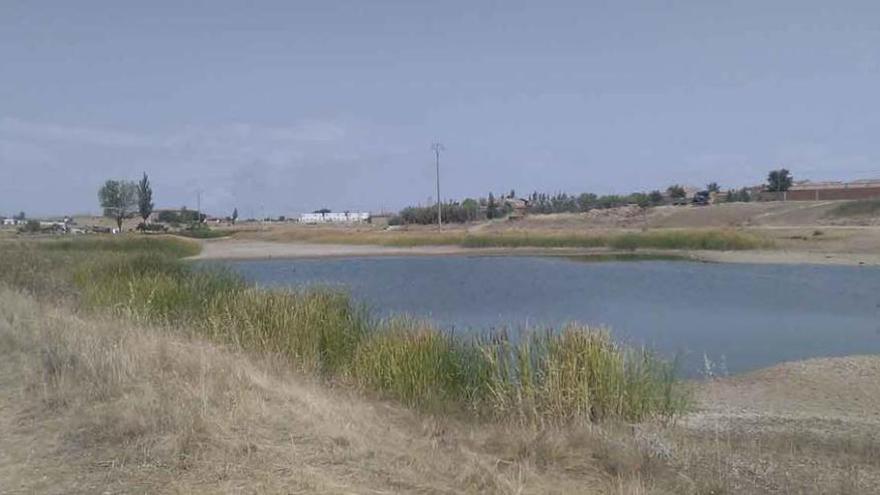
(345, 217)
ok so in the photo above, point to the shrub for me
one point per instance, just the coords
(152, 227)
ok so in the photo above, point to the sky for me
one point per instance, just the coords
(282, 107)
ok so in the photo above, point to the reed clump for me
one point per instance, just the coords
(672, 239)
(710, 240)
(715, 240)
(545, 377)
(578, 373)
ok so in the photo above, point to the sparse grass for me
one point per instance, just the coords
(540, 378)
(204, 233)
(671, 239)
(859, 208)
(712, 240)
(134, 243)
(716, 240)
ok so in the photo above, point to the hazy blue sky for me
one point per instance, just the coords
(280, 107)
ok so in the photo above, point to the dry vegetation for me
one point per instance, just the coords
(666, 239)
(761, 232)
(142, 398)
(101, 405)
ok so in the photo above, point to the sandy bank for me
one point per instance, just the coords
(247, 249)
(242, 249)
(823, 396)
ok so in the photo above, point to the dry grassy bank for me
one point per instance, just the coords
(126, 389)
(672, 239)
(100, 405)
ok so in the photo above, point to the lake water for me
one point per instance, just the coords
(740, 316)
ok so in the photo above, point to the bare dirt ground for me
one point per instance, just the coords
(801, 427)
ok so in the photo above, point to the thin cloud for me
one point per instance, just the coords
(74, 134)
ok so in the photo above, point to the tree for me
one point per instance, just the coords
(655, 198)
(779, 180)
(586, 201)
(145, 198)
(675, 191)
(118, 198)
(713, 187)
(31, 227)
(19, 217)
(234, 215)
(640, 199)
(491, 207)
(738, 196)
(471, 209)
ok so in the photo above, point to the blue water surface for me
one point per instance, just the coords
(739, 316)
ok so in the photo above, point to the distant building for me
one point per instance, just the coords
(8, 222)
(518, 207)
(826, 191)
(344, 217)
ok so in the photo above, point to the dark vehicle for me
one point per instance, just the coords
(701, 198)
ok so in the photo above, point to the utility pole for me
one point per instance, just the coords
(438, 147)
(199, 207)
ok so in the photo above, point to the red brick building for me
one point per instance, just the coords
(826, 191)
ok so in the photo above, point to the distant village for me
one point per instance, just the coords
(508, 205)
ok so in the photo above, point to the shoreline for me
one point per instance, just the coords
(239, 250)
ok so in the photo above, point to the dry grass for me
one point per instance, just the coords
(98, 405)
(858, 208)
(675, 239)
(575, 375)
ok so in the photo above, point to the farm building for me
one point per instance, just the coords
(345, 217)
(825, 191)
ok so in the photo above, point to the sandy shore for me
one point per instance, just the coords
(231, 249)
(241, 249)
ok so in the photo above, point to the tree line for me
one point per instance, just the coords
(493, 206)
